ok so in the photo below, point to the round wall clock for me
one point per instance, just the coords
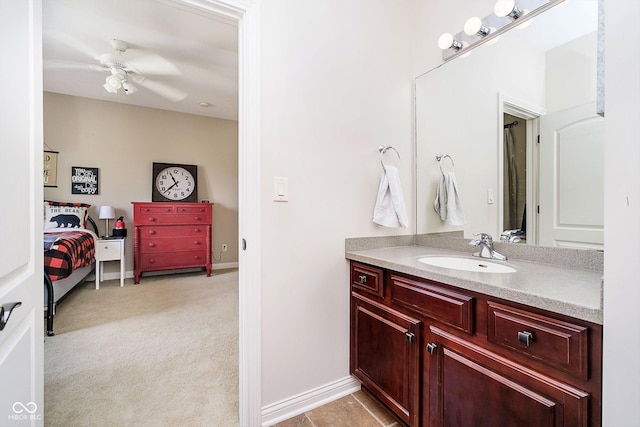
(174, 183)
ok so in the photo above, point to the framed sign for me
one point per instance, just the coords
(84, 180)
(50, 164)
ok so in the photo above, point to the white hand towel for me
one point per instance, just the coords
(447, 203)
(390, 210)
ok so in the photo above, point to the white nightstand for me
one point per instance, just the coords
(109, 250)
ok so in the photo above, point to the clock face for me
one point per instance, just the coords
(174, 183)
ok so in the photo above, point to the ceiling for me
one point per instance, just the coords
(187, 57)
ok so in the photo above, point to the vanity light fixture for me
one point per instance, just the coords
(446, 41)
(474, 27)
(507, 8)
(506, 15)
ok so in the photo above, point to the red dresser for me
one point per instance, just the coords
(171, 236)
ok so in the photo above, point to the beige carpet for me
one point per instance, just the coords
(161, 353)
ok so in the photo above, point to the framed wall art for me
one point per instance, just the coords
(50, 166)
(84, 180)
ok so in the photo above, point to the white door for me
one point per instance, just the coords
(21, 274)
(572, 178)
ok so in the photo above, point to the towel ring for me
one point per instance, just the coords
(383, 149)
(440, 157)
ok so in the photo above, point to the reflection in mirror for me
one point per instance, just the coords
(544, 78)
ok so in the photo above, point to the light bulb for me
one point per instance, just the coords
(507, 8)
(474, 27)
(446, 41)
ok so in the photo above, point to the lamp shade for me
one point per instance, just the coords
(106, 212)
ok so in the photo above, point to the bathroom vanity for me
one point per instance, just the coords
(446, 347)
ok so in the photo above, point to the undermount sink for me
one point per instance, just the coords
(480, 265)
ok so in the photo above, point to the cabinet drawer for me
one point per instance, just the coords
(203, 209)
(108, 251)
(368, 279)
(175, 231)
(559, 344)
(445, 306)
(154, 209)
(153, 245)
(171, 260)
(170, 219)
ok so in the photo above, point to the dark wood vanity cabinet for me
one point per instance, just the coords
(385, 355)
(440, 356)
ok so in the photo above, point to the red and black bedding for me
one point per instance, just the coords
(67, 250)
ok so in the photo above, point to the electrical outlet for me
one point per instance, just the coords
(224, 247)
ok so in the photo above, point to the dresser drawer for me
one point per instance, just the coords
(203, 209)
(445, 306)
(160, 244)
(368, 279)
(559, 344)
(154, 208)
(174, 219)
(175, 231)
(170, 260)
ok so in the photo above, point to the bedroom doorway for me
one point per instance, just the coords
(245, 15)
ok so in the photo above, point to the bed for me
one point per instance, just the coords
(69, 252)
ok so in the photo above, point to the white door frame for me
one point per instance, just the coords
(531, 114)
(245, 13)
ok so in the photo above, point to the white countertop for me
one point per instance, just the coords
(572, 292)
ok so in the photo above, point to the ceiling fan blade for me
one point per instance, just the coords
(53, 64)
(72, 42)
(165, 91)
(152, 64)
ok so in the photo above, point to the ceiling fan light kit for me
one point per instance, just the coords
(124, 71)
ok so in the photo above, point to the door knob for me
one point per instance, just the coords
(6, 313)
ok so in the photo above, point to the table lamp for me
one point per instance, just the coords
(106, 213)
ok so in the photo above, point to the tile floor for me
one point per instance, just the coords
(354, 410)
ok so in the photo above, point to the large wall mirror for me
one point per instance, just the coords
(485, 111)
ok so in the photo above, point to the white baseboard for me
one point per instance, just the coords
(296, 405)
(113, 275)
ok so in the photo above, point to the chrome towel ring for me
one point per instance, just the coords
(383, 149)
(440, 157)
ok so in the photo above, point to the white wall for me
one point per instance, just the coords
(336, 83)
(123, 141)
(621, 390)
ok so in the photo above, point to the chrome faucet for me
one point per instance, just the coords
(511, 236)
(485, 242)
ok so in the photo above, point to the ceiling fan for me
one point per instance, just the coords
(123, 72)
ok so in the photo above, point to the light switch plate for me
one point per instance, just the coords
(280, 189)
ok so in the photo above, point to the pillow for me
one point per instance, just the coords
(66, 215)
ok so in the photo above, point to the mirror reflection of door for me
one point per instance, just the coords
(515, 174)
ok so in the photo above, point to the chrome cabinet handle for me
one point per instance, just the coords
(411, 337)
(362, 279)
(4, 314)
(525, 338)
(431, 348)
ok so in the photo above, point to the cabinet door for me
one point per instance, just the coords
(470, 386)
(385, 347)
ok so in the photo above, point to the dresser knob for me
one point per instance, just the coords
(196, 257)
(151, 231)
(197, 230)
(168, 209)
(197, 218)
(152, 219)
(152, 245)
(195, 242)
(152, 261)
